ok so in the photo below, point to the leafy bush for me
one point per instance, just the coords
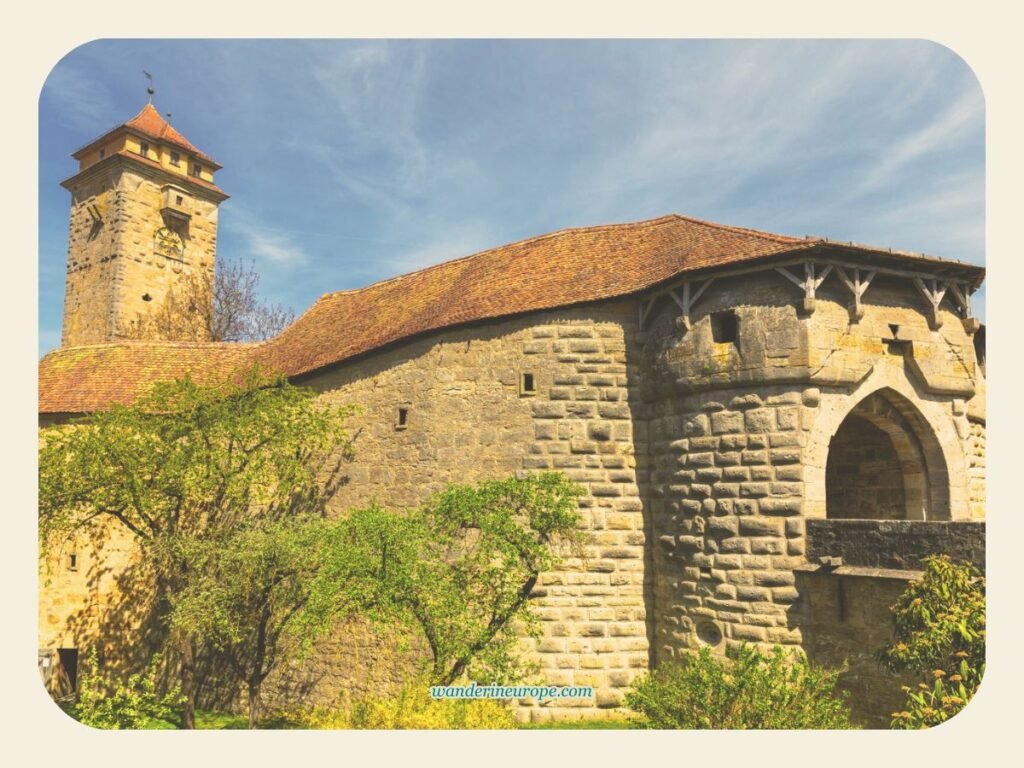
(940, 633)
(460, 569)
(750, 690)
(411, 708)
(117, 705)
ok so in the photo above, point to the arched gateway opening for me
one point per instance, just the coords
(885, 463)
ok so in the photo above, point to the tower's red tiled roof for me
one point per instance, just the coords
(151, 123)
(573, 266)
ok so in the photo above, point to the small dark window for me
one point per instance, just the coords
(175, 158)
(724, 327)
(68, 660)
(103, 153)
(402, 419)
(179, 200)
(73, 562)
(527, 384)
(196, 170)
(144, 149)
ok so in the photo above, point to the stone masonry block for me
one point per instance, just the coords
(781, 506)
(760, 420)
(726, 422)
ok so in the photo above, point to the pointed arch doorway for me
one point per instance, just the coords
(885, 463)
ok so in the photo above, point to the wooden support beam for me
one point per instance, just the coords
(963, 298)
(645, 310)
(857, 288)
(934, 291)
(687, 301)
(810, 284)
(962, 295)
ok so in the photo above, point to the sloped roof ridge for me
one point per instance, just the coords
(773, 236)
(503, 247)
(669, 217)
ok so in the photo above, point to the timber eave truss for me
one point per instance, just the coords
(934, 281)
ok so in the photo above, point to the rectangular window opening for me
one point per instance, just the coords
(68, 670)
(527, 384)
(73, 562)
(196, 170)
(144, 149)
(175, 158)
(725, 327)
(402, 418)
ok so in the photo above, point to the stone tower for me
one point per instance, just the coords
(143, 220)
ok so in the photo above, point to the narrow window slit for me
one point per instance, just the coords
(527, 384)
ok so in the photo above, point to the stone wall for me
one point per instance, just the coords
(896, 544)
(976, 467)
(864, 477)
(468, 418)
(846, 621)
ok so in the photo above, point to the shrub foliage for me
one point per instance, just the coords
(940, 634)
(410, 708)
(115, 704)
(750, 690)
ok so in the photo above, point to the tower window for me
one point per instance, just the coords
(73, 562)
(179, 199)
(103, 153)
(724, 327)
(175, 158)
(402, 418)
(196, 170)
(144, 149)
(527, 384)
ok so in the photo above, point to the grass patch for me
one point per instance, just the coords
(205, 721)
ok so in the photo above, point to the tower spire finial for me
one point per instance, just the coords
(149, 88)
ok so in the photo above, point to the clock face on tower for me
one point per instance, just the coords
(168, 243)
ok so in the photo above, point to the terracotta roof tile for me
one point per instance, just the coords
(569, 267)
(151, 123)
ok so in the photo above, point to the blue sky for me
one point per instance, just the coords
(352, 161)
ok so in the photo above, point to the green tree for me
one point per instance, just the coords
(749, 690)
(940, 634)
(461, 568)
(187, 461)
(265, 590)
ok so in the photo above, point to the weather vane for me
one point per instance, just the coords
(149, 89)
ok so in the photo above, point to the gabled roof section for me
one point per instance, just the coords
(151, 123)
(565, 268)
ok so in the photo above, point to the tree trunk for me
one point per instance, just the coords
(254, 702)
(188, 676)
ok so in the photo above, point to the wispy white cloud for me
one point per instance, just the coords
(79, 101)
(962, 115)
(263, 243)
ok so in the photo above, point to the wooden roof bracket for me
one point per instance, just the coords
(809, 285)
(857, 288)
(687, 301)
(962, 294)
(934, 292)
